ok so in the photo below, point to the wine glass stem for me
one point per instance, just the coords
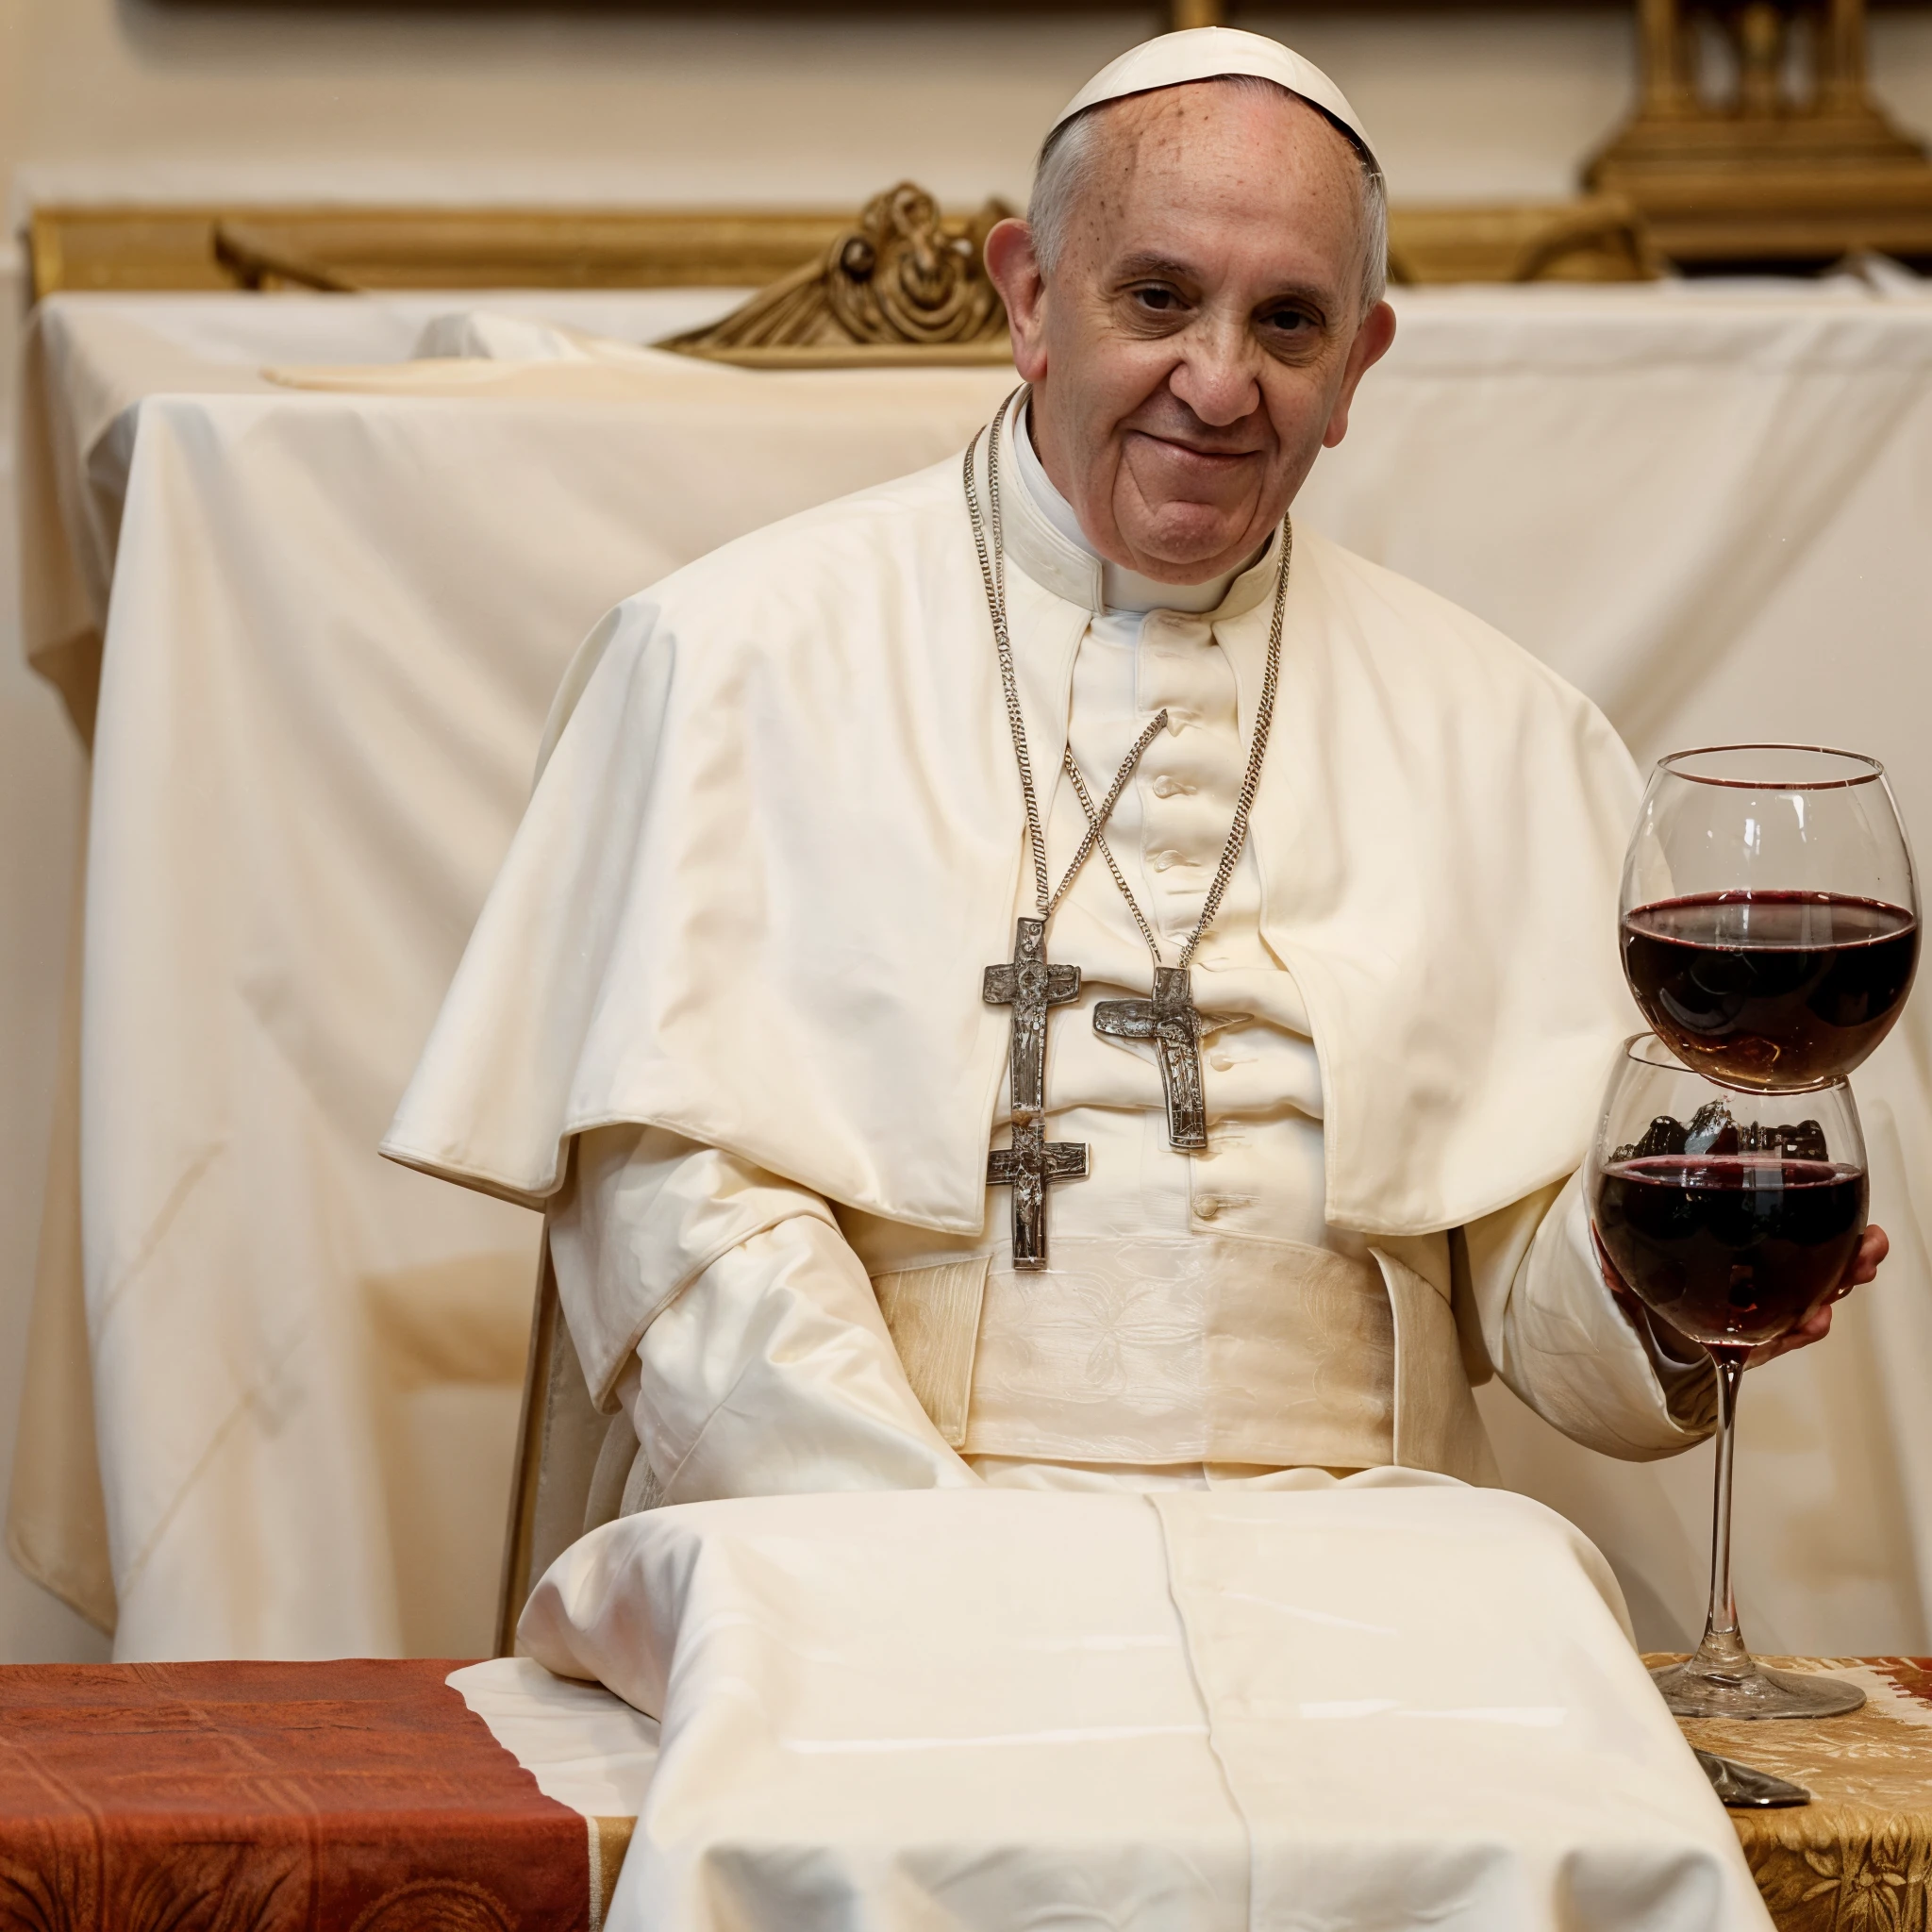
(1722, 1641)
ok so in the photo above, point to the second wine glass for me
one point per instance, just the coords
(1731, 1216)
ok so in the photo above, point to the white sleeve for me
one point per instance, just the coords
(724, 1309)
(1586, 1359)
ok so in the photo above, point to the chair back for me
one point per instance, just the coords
(572, 1463)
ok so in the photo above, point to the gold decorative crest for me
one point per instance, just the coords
(905, 284)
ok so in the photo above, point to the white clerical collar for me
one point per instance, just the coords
(1053, 549)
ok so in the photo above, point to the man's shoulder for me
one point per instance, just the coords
(1441, 641)
(854, 589)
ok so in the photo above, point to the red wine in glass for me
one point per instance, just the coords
(1779, 988)
(1731, 1213)
(1730, 1249)
(1769, 912)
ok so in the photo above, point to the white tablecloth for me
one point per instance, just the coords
(334, 624)
(1389, 1703)
(583, 1744)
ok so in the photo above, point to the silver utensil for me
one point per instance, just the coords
(1744, 1789)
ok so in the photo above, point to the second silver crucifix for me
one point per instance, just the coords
(1171, 1021)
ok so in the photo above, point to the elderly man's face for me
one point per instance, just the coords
(1200, 339)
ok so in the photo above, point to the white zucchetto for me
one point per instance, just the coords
(1213, 53)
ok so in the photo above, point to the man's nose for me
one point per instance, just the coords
(1217, 378)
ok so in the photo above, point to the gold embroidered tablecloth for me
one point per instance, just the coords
(1858, 1857)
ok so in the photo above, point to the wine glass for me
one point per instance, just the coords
(1731, 1215)
(1770, 914)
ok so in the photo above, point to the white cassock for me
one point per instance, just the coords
(722, 1015)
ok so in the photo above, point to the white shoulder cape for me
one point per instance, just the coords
(782, 834)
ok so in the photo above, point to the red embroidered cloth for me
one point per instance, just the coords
(353, 1796)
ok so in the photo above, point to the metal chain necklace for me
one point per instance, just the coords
(1029, 982)
(1169, 1019)
(992, 570)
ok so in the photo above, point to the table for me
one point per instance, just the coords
(1858, 1856)
(979, 1708)
(227, 1754)
(332, 621)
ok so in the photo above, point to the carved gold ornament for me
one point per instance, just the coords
(904, 284)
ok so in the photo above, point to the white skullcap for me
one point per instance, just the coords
(1209, 53)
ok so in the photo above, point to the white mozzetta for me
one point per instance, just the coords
(1360, 1704)
(1439, 838)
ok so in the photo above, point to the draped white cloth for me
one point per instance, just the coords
(1360, 1704)
(336, 621)
(585, 1747)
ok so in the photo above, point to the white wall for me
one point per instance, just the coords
(117, 98)
(113, 96)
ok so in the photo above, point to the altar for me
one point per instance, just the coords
(315, 620)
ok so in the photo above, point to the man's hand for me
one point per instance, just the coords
(1873, 1249)
(1863, 1267)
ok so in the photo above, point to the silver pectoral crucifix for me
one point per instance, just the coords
(1030, 984)
(1171, 1021)
(1027, 1167)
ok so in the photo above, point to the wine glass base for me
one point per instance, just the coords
(1745, 1688)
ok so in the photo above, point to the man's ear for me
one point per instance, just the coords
(1372, 342)
(1015, 272)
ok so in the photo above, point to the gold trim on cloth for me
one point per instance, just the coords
(609, 1840)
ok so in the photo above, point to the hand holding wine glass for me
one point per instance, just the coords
(1872, 1248)
(1874, 1245)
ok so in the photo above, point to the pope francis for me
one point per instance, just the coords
(1048, 972)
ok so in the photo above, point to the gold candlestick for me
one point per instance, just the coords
(1787, 161)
